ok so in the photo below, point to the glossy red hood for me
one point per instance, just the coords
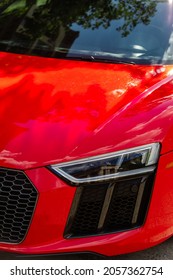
(53, 110)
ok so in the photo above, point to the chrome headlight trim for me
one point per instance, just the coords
(149, 152)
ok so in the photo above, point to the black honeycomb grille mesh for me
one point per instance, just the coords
(97, 210)
(17, 202)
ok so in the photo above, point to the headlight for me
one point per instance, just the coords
(110, 166)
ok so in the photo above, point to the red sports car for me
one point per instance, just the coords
(86, 125)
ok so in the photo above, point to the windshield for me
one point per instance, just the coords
(131, 31)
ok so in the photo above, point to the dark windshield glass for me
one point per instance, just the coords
(111, 30)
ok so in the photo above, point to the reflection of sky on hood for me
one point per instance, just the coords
(9, 158)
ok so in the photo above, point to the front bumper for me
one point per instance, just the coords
(46, 231)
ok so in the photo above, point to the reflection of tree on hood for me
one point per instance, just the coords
(47, 18)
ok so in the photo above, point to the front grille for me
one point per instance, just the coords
(17, 202)
(109, 207)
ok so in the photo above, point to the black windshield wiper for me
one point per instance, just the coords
(82, 55)
(99, 57)
(105, 59)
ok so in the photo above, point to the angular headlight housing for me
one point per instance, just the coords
(110, 166)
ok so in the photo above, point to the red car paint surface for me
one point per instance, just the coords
(54, 110)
